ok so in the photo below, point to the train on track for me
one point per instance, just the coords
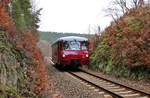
(70, 51)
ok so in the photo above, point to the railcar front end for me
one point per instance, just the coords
(71, 51)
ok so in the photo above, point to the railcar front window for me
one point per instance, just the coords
(71, 45)
(75, 45)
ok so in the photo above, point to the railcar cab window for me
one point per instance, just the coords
(84, 45)
(71, 45)
(75, 45)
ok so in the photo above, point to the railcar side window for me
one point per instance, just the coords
(84, 45)
(66, 46)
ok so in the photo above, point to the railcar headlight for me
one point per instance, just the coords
(86, 55)
(63, 55)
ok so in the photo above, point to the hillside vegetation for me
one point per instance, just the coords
(124, 47)
(22, 71)
(53, 36)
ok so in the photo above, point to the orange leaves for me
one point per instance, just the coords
(28, 43)
(6, 1)
(130, 38)
(42, 82)
(6, 22)
(5, 19)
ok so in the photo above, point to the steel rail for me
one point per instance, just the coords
(97, 86)
(119, 84)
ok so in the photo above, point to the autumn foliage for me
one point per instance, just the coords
(24, 40)
(28, 43)
(6, 22)
(129, 38)
(125, 43)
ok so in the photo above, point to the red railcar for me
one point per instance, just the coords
(71, 50)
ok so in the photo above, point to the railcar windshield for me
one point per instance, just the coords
(75, 45)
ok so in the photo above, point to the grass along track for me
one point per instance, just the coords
(114, 89)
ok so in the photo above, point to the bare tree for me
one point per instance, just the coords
(122, 4)
(114, 13)
(119, 8)
(137, 3)
(141, 2)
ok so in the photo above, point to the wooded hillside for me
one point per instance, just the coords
(124, 47)
(22, 71)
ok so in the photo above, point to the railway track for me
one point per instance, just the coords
(111, 88)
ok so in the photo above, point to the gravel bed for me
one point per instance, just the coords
(69, 86)
(143, 85)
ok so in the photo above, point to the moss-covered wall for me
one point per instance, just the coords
(13, 73)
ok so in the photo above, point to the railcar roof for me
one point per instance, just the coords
(71, 38)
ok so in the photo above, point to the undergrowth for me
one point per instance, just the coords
(123, 48)
(22, 69)
(13, 71)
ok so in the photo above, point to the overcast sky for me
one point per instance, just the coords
(73, 15)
